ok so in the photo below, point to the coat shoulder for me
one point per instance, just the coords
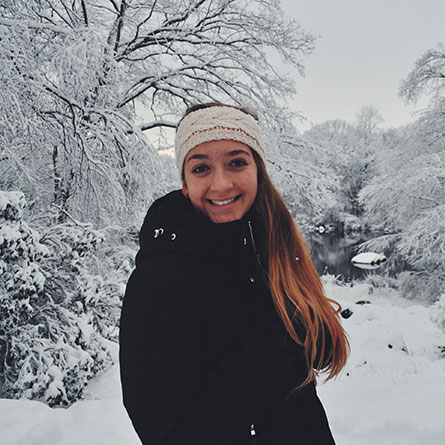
(160, 283)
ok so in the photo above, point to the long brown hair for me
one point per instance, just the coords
(296, 287)
(294, 283)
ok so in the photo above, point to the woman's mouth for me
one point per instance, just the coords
(223, 202)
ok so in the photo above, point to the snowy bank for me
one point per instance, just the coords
(99, 419)
(391, 392)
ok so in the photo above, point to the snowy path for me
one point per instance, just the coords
(387, 394)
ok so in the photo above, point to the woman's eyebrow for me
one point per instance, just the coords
(229, 154)
(237, 152)
(197, 156)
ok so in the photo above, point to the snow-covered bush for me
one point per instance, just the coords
(58, 307)
(379, 282)
(438, 312)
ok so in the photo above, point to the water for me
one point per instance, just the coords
(332, 254)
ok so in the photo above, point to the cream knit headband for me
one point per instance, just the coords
(216, 123)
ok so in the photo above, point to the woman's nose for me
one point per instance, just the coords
(221, 180)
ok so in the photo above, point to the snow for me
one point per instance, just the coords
(391, 392)
(99, 419)
(368, 260)
(14, 199)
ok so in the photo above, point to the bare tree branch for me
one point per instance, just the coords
(151, 125)
(84, 12)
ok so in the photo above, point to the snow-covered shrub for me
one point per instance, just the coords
(56, 308)
(421, 285)
(382, 282)
(438, 312)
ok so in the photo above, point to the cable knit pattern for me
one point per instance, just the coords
(215, 124)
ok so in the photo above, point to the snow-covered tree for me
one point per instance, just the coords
(334, 145)
(407, 195)
(303, 175)
(346, 151)
(368, 121)
(407, 199)
(426, 77)
(74, 74)
(427, 80)
(64, 140)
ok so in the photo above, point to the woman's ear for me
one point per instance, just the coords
(185, 190)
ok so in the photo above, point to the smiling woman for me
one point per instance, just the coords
(225, 325)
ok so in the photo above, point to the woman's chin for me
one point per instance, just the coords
(224, 220)
(220, 217)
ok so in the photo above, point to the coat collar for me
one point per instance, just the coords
(173, 225)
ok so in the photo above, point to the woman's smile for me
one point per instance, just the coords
(223, 202)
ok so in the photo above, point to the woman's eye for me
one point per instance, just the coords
(238, 163)
(200, 169)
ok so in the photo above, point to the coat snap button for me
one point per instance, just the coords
(173, 236)
(252, 280)
(158, 232)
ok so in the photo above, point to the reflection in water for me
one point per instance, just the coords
(332, 253)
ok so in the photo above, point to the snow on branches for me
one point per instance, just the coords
(75, 74)
(407, 194)
(57, 312)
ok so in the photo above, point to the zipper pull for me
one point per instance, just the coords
(252, 238)
(252, 430)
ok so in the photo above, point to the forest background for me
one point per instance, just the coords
(91, 91)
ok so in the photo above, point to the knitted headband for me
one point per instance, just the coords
(216, 123)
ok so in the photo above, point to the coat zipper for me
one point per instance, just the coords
(257, 256)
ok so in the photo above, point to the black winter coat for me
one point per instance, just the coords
(196, 366)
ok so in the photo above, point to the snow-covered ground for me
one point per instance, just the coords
(391, 392)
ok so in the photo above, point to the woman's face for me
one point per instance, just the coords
(220, 178)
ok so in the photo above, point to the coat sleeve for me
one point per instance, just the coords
(169, 397)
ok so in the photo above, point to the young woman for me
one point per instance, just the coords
(225, 325)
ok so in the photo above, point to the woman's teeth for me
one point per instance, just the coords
(223, 203)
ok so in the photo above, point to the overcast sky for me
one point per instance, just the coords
(363, 51)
